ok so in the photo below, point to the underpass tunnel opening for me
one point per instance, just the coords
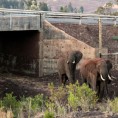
(19, 52)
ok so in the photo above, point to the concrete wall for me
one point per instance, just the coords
(56, 42)
(13, 22)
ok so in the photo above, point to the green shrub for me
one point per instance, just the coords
(81, 96)
(57, 100)
(59, 103)
(9, 102)
(73, 101)
(48, 114)
(57, 94)
(32, 105)
(113, 105)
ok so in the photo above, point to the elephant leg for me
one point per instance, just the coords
(83, 79)
(102, 87)
(106, 88)
(65, 79)
(71, 80)
(93, 86)
(74, 80)
(62, 78)
(93, 82)
(98, 88)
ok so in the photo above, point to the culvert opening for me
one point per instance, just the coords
(19, 52)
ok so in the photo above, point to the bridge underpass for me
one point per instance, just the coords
(19, 52)
(30, 52)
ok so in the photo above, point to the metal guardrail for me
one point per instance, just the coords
(79, 15)
(20, 11)
(116, 53)
(58, 15)
(50, 14)
(82, 17)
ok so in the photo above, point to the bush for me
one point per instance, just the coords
(57, 100)
(9, 102)
(60, 102)
(81, 96)
(113, 105)
(32, 105)
(48, 114)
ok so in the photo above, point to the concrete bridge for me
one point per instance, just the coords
(20, 20)
(31, 45)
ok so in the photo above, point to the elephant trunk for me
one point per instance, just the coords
(104, 74)
(72, 73)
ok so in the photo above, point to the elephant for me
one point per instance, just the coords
(67, 66)
(103, 85)
(96, 73)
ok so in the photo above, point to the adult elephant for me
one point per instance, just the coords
(67, 65)
(95, 72)
(101, 86)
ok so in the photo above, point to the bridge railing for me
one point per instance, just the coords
(15, 19)
(35, 18)
(93, 18)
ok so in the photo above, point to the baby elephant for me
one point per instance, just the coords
(67, 66)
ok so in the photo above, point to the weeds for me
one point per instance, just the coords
(60, 102)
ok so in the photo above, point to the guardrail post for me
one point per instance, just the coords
(114, 21)
(80, 22)
(10, 21)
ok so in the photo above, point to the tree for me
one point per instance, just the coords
(81, 9)
(69, 7)
(34, 5)
(108, 7)
(43, 6)
(61, 9)
(11, 4)
(28, 4)
(100, 10)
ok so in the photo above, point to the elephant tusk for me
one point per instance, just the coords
(113, 77)
(73, 62)
(67, 62)
(110, 77)
(102, 78)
